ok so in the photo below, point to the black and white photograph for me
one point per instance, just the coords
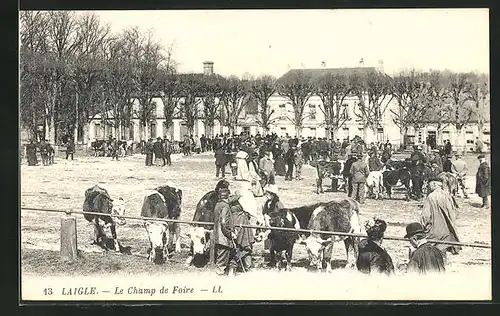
(265, 155)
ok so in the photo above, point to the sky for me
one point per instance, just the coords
(258, 42)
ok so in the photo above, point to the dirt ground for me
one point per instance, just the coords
(62, 186)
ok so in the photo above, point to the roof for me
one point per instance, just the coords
(318, 72)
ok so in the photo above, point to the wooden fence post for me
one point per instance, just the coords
(68, 238)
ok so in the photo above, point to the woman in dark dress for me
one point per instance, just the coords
(372, 257)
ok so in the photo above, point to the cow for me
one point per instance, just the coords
(99, 147)
(328, 169)
(334, 216)
(282, 242)
(199, 234)
(374, 183)
(162, 202)
(97, 200)
(396, 175)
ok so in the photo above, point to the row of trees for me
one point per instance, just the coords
(72, 67)
(418, 98)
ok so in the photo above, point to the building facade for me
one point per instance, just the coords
(313, 124)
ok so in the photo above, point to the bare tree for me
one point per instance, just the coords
(147, 58)
(262, 89)
(88, 71)
(297, 87)
(171, 91)
(234, 95)
(374, 93)
(63, 41)
(436, 101)
(211, 91)
(333, 89)
(410, 89)
(33, 35)
(189, 105)
(479, 92)
(461, 108)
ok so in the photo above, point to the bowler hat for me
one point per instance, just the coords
(414, 228)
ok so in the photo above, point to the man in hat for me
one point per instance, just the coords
(31, 153)
(220, 162)
(447, 164)
(417, 170)
(298, 160)
(44, 152)
(289, 160)
(425, 258)
(359, 171)
(148, 150)
(167, 150)
(158, 151)
(483, 180)
(224, 233)
(266, 165)
(438, 216)
(347, 174)
(459, 168)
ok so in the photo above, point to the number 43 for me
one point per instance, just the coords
(47, 291)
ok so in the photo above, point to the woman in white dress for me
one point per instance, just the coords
(242, 165)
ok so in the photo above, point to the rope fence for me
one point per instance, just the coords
(331, 233)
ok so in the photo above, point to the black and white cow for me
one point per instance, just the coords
(97, 200)
(396, 174)
(162, 202)
(334, 216)
(199, 235)
(328, 169)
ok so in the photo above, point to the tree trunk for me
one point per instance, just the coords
(480, 127)
(298, 130)
(402, 134)
(366, 132)
(51, 127)
(334, 133)
(86, 137)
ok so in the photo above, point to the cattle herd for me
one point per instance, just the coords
(164, 202)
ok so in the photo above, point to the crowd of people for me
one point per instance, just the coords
(234, 243)
(259, 161)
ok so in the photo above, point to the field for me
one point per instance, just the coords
(62, 186)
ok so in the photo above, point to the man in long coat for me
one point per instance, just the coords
(31, 153)
(438, 216)
(483, 180)
(224, 233)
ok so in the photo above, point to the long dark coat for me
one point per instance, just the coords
(373, 258)
(483, 180)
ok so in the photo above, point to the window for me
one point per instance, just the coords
(131, 131)
(312, 131)
(312, 111)
(153, 130)
(282, 109)
(345, 111)
(97, 130)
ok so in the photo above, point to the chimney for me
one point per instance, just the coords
(208, 68)
(381, 65)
